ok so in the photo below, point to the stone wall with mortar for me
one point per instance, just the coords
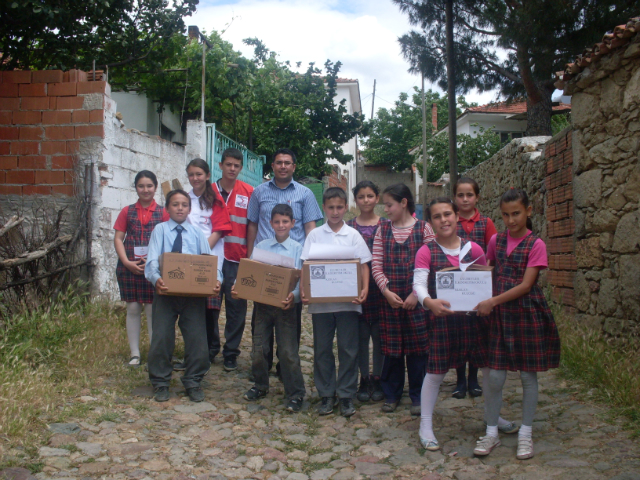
(606, 190)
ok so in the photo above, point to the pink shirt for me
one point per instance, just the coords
(537, 255)
(423, 257)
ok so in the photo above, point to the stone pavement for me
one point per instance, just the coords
(226, 437)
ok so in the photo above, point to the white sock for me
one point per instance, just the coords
(147, 312)
(525, 431)
(492, 431)
(428, 399)
(485, 378)
(134, 310)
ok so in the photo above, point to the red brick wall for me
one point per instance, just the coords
(560, 223)
(335, 179)
(43, 121)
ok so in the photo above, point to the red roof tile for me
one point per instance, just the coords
(512, 108)
(346, 80)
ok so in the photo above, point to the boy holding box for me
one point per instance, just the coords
(339, 317)
(177, 235)
(283, 318)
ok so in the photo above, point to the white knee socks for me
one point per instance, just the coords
(134, 313)
(428, 399)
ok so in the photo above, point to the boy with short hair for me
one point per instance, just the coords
(283, 318)
(177, 235)
(339, 318)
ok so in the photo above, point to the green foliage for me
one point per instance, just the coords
(560, 122)
(66, 34)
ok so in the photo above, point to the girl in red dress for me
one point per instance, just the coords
(133, 230)
(523, 334)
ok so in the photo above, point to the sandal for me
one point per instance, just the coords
(134, 362)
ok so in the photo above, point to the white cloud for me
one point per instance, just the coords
(359, 33)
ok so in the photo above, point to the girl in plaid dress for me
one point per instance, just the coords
(367, 195)
(403, 327)
(133, 230)
(479, 229)
(523, 334)
(453, 337)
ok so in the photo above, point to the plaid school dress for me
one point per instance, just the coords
(453, 339)
(523, 333)
(373, 307)
(402, 332)
(136, 288)
(477, 233)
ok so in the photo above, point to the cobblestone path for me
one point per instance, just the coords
(226, 437)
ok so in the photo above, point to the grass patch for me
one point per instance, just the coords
(108, 417)
(607, 367)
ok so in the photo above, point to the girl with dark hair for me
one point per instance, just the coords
(403, 327)
(133, 229)
(453, 337)
(209, 213)
(478, 228)
(523, 334)
(366, 194)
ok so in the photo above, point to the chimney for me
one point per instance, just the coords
(434, 115)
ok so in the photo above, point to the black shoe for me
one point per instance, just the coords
(363, 391)
(161, 394)
(326, 406)
(254, 393)
(230, 363)
(346, 407)
(196, 394)
(377, 395)
(295, 404)
(461, 391)
(475, 390)
(179, 366)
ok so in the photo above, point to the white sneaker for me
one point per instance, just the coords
(525, 448)
(485, 445)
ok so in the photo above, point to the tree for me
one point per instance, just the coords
(64, 34)
(538, 36)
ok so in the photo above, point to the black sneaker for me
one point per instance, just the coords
(363, 394)
(196, 394)
(254, 393)
(295, 404)
(461, 391)
(346, 407)
(161, 394)
(230, 363)
(377, 395)
(475, 390)
(326, 406)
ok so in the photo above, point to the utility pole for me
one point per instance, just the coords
(451, 92)
(424, 153)
(194, 32)
(374, 98)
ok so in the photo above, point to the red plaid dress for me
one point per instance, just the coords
(402, 332)
(214, 303)
(136, 288)
(372, 309)
(477, 234)
(453, 339)
(523, 333)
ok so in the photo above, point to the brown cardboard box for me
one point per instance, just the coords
(189, 275)
(341, 280)
(265, 283)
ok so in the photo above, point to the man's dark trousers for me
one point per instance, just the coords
(165, 311)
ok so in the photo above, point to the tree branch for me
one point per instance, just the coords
(44, 275)
(495, 67)
(13, 222)
(35, 255)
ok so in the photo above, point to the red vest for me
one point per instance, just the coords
(235, 244)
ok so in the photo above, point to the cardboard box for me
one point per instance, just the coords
(464, 290)
(264, 283)
(189, 275)
(331, 281)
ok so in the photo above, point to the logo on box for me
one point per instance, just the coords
(177, 274)
(445, 281)
(248, 282)
(317, 272)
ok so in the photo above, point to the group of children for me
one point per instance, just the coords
(397, 309)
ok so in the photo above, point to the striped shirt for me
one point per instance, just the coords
(400, 235)
(297, 196)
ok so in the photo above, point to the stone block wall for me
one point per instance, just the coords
(606, 185)
(379, 175)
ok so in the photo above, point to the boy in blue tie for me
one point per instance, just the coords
(179, 236)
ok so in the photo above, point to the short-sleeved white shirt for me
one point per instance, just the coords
(202, 219)
(348, 237)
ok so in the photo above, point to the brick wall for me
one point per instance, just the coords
(336, 179)
(560, 218)
(45, 118)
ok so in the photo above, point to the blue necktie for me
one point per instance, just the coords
(177, 244)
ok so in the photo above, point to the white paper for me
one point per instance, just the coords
(140, 252)
(271, 258)
(324, 251)
(334, 280)
(464, 290)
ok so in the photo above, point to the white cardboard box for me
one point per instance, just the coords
(464, 290)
